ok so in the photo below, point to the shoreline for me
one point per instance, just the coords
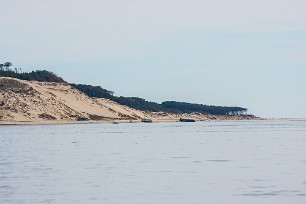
(44, 103)
(24, 123)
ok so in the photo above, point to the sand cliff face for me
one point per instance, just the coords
(30, 101)
(38, 101)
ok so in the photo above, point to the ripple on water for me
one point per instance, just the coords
(218, 160)
(271, 193)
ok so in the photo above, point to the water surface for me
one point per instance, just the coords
(241, 162)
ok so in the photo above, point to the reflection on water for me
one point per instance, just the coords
(205, 162)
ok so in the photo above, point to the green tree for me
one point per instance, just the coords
(7, 65)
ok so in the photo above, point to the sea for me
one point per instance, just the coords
(229, 162)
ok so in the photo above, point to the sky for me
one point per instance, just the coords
(248, 53)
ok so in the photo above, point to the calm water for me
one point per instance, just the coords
(245, 162)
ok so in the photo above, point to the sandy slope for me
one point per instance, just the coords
(42, 102)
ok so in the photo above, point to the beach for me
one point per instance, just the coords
(32, 102)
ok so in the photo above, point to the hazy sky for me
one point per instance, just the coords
(249, 53)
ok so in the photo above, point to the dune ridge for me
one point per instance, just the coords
(49, 102)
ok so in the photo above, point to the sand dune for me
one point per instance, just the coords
(44, 102)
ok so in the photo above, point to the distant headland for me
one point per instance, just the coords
(43, 97)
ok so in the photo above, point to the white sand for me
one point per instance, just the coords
(34, 102)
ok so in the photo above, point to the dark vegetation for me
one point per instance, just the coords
(192, 107)
(38, 75)
(133, 102)
(93, 91)
(139, 103)
(167, 106)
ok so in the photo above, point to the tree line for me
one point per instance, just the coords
(167, 106)
(193, 107)
(38, 75)
(133, 102)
